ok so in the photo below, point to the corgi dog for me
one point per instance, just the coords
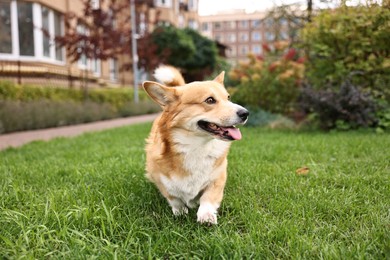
(186, 152)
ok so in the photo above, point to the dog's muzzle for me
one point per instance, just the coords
(243, 114)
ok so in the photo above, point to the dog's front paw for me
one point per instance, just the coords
(178, 207)
(180, 211)
(207, 213)
(208, 218)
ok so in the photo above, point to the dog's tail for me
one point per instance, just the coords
(169, 75)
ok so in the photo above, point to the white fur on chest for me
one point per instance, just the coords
(199, 157)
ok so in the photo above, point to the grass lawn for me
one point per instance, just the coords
(87, 197)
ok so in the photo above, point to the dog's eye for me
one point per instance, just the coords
(229, 97)
(210, 100)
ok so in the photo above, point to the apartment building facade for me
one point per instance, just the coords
(242, 32)
(28, 52)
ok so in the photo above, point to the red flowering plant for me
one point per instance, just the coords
(271, 82)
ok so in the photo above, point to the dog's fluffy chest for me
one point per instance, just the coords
(199, 161)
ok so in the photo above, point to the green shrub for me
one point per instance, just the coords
(343, 42)
(30, 107)
(350, 39)
(344, 107)
(143, 107)
(262, 118)
(272, 84)
(37, 114)
(117, 97)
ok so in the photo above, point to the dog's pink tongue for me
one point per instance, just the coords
(234, 133)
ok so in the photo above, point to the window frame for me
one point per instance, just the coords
(114, 70)
(11, 22)
(256, 39)
(37, 33)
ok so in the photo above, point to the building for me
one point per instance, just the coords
(243, 32)
(29, 55)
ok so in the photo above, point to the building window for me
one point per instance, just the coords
(218, 37)
(232, 37)
(232, 52)
(269, 36)
(5, 25)
(217, 26)
(283, 35)
(269, 22)
(283, 21)
(96, 67)
(244, 24)
(114, 69)
(83, 61)
(231, 25)
(142, 24)
(192, 24)
(181, 21)
(243, 50)
(256, 23)
(244, 37)
(205, 27)
(163, 23)
(163, 3)
(46, 32)
(95, 4)
(26, 29)
(256, 36)
(192, 5)
(58, 31)
(256, 49)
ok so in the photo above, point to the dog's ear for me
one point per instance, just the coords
(161, 94)
(220, 77)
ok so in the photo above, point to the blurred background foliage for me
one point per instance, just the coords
(26, 107)
(336, 75)
(333, 73)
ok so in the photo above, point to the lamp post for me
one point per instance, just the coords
(134, 50)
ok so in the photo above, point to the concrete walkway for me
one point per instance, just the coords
(21, 138)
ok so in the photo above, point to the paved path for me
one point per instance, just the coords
(21, 138)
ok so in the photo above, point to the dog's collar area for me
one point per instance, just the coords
(223, 132)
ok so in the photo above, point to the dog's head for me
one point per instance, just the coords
(203, 108)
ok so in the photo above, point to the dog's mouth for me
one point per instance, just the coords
(223, 132)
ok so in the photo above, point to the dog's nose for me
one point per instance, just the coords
(243, 114)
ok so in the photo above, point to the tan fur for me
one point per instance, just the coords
(187, 164)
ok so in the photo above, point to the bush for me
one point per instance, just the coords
(350, 39)
(117, 97)
(29, 107)
(261, 118)
(143, 107)
(37, 114)
(272, 84)
(18, 116)
(343, 107)
(342, 42)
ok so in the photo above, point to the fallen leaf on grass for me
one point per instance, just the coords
(302, 171)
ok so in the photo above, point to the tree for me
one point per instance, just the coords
(285, 21)
(183, 48)
(166, 44)
(97, 33)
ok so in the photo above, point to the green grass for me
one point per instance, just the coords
(87, 197)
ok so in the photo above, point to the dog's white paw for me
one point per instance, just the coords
(178, 207)
(208, 218)
(207, 213)
(180, 211)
